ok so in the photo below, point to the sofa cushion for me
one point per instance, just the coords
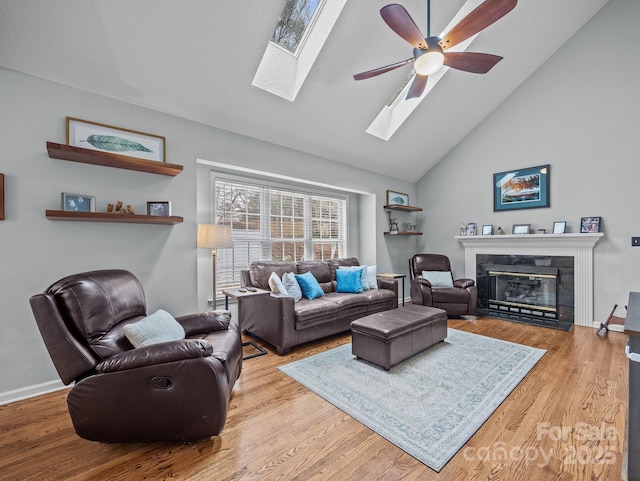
(291, 285)
(372, 279)
(321, 271)
(349, 280)
(260, 271)
(309, 285)
(364, 280)
(316, 312)
(154, 329)
(276, 285)
(438, 279)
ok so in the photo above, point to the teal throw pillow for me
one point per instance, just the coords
(363, 275)
(349, 280)
(154, 329)
(309, 285)
(292, 286)
(438, 279)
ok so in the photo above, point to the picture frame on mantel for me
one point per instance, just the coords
(526, 188)
(115, 140)
(590, 225)
(397, 198)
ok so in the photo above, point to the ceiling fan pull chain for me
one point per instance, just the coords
(428, 18)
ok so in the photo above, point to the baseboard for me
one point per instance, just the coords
(31, 391)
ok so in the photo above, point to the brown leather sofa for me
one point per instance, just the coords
(458, 300)
(284, 323)
(168, 391)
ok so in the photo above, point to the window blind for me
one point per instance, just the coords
(275, 223)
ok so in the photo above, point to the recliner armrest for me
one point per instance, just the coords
(423, 282)
(205, 322)
(463, 283)
(156, 354)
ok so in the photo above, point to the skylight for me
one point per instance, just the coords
(294, 22)
(300, 33)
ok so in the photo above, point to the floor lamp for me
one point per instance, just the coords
(214, 236)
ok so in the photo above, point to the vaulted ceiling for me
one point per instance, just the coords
(196, 59)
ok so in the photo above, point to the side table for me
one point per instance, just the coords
(235, 293)
(391, 275)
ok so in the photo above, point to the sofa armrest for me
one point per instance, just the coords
(156, 354)
(270, 318)
(388, 283)
(463, 283)
(421, 292)
(205, 322)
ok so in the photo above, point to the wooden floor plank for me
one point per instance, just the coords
(565, 422)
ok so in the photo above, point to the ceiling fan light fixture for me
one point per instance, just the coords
(430, 60)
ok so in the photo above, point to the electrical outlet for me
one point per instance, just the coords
(635, 241)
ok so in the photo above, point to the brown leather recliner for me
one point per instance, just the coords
(458, 300)
(168, 391)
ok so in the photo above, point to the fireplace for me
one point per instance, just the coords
(532, 289)
(575, 280)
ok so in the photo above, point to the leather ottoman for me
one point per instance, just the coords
(389, 337)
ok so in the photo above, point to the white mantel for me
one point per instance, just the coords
(578, 246)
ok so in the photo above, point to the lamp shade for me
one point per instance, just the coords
(214, 236)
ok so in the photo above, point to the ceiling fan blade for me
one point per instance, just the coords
(470, 61)
(417, 86)
(380, 70)
(401, 22)
(484, 15)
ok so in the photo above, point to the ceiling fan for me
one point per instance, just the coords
(430, 53)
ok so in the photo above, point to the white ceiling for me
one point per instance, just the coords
(196, 59)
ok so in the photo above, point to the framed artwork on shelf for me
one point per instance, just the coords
(590, 224)
(487, 230)
(159, 208)
(559, 227)
(106, 138)
(521, 189)
(397, 198)
(78, 202)
(521, 228)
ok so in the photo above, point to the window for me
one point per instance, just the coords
(293, 23)
(273, 223)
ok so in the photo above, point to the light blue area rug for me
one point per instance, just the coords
(429, 405)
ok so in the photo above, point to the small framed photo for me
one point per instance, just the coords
(521, 228)
(590, 224)
(560, 227)
(468, 229)
(397, 198)
(487, 230)
(107, 138)
(159, 208)
(78, 202)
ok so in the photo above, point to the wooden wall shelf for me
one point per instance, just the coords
(403, 232)
(404, 208)
(104, 217)
(96, 157)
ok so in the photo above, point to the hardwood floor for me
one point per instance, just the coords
(565, 421)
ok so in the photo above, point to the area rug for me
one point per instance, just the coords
(429, 405)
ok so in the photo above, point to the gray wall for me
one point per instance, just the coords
(36, 252)
(580, 113)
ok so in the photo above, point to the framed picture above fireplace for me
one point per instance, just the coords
(590, 224)
(521, 189)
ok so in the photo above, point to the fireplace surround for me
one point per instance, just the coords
(578, 247)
